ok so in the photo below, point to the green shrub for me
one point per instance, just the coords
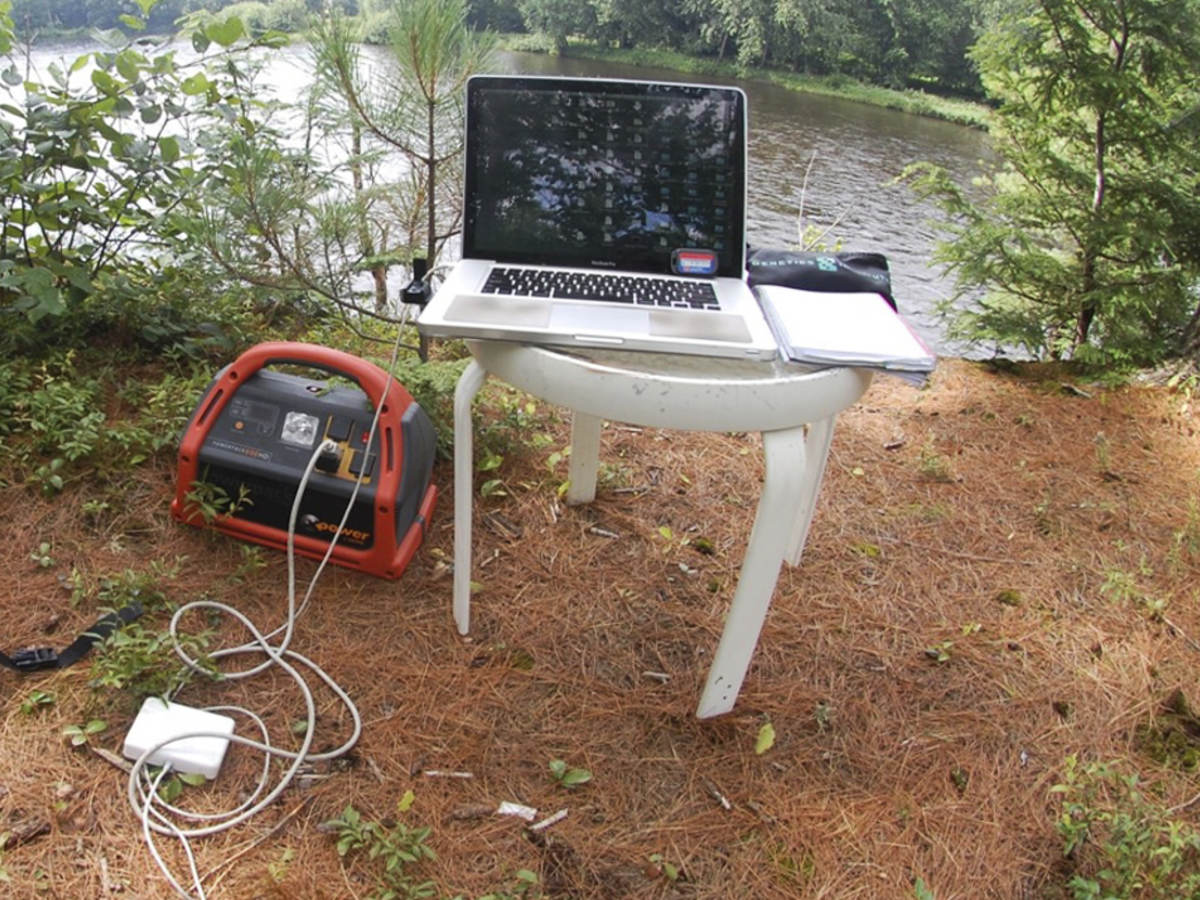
(1121, 842)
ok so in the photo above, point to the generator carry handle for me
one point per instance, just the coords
(372, 379)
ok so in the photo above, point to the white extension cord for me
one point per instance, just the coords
(166, 739)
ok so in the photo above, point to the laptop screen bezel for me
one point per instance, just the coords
(475, 246)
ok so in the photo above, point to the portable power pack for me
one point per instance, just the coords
(254, 432)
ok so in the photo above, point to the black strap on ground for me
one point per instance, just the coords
(33, 659)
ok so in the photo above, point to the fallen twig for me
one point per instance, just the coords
(25, 832)
(1183, 634)
(112, 758)
(538, 827)
(718, 796)
(1184, 805)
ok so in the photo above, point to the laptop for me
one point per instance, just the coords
(603, 213)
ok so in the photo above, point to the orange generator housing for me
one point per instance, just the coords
(254, 433)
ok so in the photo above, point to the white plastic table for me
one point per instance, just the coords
(794, 407)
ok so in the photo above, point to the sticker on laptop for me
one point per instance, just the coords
(694, 262)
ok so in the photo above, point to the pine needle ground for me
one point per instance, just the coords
(1002, 571)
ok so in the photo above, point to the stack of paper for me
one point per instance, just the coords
(844, 329)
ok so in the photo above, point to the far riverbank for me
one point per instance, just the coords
(960, 112)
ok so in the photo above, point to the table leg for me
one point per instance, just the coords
(820, 436)
(784, 488)
(584, 461)
(464, 489)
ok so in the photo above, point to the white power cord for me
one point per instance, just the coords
(158, 816)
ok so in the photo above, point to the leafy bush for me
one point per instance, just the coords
(94, 166)
(1122, 843)
(55, 421)
(142, 662)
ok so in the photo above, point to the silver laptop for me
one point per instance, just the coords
(603, 213)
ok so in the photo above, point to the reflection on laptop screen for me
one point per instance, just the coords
(615, 174)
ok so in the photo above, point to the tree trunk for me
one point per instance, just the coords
(1089, 308)
(366, 245)
(1191, 340)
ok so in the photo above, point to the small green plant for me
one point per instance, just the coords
(866, 549)
(171, 787)
(211, 501)
(614, 475)
(94, 510)
(1122, 585)
(555, 459)
(525, 885)
(60, 413)
(491, 487)
(278, 868)
(138, 586)
(518, 425)
(252, 561)
(36, 700)
(933, 465)
(144, 663)
(940, 652)
(1119, 841)
(41, 556)
(163, 411)
(671, 540)
(566, 776)
(400, 849)
(664, 867)
(48, 477)
(79, 735)
(122, 589)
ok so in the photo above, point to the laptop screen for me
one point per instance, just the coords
(605, 174)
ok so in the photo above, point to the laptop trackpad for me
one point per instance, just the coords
(512, 311)
(700, 326)
(599, 320)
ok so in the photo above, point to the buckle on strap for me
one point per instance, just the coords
(33, 658)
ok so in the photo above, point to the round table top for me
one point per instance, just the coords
(702, 393)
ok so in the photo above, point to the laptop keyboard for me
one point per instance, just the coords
(641, 290)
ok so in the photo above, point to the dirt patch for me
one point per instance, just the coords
(1002, 571)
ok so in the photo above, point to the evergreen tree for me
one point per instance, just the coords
(1087, 243)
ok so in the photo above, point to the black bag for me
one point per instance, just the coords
(833, 272)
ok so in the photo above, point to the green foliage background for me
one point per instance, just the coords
(1086, 243)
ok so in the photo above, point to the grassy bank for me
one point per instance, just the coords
(962, 112)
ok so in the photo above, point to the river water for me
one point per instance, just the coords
(852, 152)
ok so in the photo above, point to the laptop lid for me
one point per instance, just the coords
(605, 174)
